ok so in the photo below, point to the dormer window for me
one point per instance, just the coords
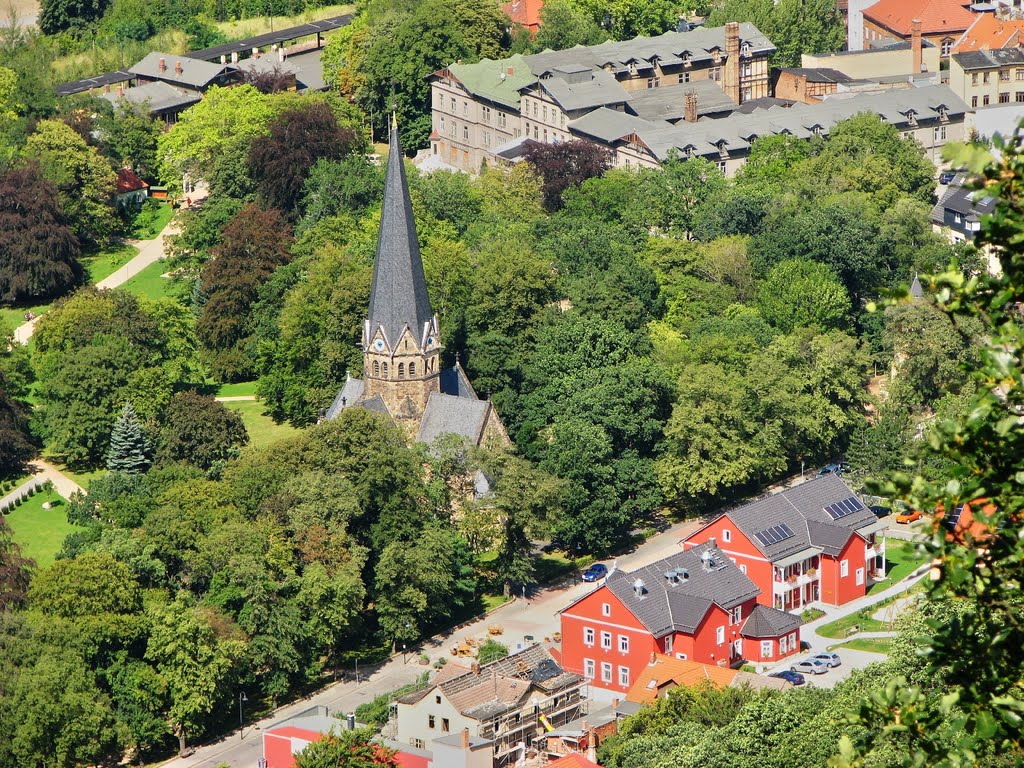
(911, 117)
(943, 114)
(686, 59)
(746, 49)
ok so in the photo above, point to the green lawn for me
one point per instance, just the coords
(150, 284)
(263, 430)
(553, 567)
(901, 559)
(872, 644)
(152, 220)
(493, 601)
(12, 317)
(106, 262)
(839, 628)
(242, 388)
(40, 532)
(84, 477)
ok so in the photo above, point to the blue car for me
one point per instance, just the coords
(596, 572)
(790, 677)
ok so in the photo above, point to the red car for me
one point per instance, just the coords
(908, 516)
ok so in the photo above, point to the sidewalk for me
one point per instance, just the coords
(20, 491)
(63, 484)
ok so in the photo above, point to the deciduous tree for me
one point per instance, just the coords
(799, 294)
(566, 164)
(199, 430)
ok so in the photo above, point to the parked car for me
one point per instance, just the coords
(946, 176)
(790, 677)
(908, 516)
(830, 659)
(596, 572)
(810, 666)
(832, 469)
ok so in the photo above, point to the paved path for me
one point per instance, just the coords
(234, 398)
(20, 491)
(63, 484)
(150, 251)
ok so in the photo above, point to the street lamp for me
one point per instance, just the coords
(241, 697)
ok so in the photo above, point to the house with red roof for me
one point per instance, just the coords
(942, 22)
(525, 13)
(694, 605)
(131, 190)
(814, 542)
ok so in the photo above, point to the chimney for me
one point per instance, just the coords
(712, 542)
(475, 667)
(177, 67)
(465, 738)
(915, 46)
(510, 70)
(615, 704)
(731, 76)
(690, 108)
(591, 747)
(163, 64)
(654, 658)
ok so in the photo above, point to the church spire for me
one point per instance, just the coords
(398, 295)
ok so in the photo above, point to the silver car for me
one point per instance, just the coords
(810, 666)
(830, 659)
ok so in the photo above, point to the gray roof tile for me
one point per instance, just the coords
(680, 607)
(448, 414)
(769, 622)
(159, 96)
(349, 395)
(195, 73)
(398, 294)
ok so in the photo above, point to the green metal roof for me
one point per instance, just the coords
(491, 79)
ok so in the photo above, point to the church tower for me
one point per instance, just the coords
(401, 338)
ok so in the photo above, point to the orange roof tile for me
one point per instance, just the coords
(128, 181)
(575, 760)
(937, 16)
(669, 671)
(525, 12)
(989, 32)
(965, 527)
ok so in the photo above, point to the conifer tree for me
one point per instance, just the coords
(129, 448)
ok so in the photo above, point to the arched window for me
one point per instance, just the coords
(401, 370)
(412, 369)
(385, 370)
(376, 368)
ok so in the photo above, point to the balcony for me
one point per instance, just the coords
(871, 552)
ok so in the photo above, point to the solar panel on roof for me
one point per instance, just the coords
(843, 508)
(774, 535)
(954, 518)
(786, 530)
(762, 538)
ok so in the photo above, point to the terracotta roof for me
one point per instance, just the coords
(988, 32)
(668, 672)
(129, 182)
(525, 12)
(962, 527)
(575, 760)
(937, 16)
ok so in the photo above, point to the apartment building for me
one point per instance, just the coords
(814, 542)
(987, 77)
(942, 21)
(479, 109)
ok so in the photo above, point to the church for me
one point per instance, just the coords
(401, 340)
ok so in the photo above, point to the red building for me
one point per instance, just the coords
(814, 542)
(694, 605)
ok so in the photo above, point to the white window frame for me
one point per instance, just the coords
(606, 609)
(766, 649)
(624, 677)
(859, 577)
(726, 535)
(606, 672)
(588, 637)
(606, 640)
(736, 615)
(668, 644)
(743, 568)
(589, 669)
(623, 643)
(844, 568)
(720, 635)
(783, 646)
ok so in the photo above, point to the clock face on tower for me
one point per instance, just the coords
(430, 341)
(378, 345)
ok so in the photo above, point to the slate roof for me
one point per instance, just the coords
(597, 89)
(765, 622)
(961, 200)
(310, 75)
(349, 395)
(819, 74)
(449, 414)
(739, 130)
(398, 294)
(666, 607)
(1001, 57)
(158, 96)
(936, 16)
(916, 291)
(267, 63)
(802, 508)
(195, 73)
(668, 47)
(454, 381)
(668, 103)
